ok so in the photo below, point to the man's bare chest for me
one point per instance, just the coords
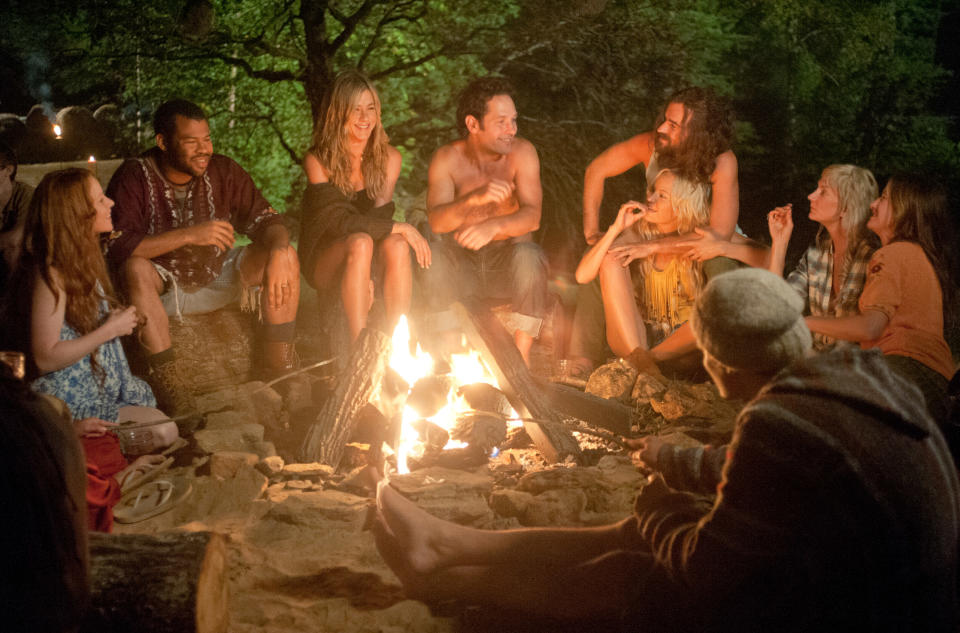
(470, 177)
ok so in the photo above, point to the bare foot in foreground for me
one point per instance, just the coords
(416, 532)
(394, 555)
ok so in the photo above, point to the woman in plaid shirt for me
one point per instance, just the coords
(841, 205)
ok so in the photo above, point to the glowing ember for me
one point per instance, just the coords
(57, 131)
(92, 159)
(465, 369)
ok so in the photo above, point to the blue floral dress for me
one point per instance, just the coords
(80, 388)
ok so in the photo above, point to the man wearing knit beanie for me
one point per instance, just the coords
(817, 498)
(837, 508)
(749, 325)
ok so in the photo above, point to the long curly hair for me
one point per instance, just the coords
(708, 122)
(920, 209)
(330, 141)
(58, 234)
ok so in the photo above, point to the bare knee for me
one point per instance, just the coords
(140, 275)
(359, 249)
(395, 251)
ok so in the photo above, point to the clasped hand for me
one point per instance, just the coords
(706, 245)
(122, 321)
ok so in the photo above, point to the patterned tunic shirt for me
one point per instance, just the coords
(813, 281)
(147, 204)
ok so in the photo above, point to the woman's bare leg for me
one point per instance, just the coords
(625, 329)
(352, 255)
(397, 278)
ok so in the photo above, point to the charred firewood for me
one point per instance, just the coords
(482, 430)
(466, 458)
(486, 334)
(484, 397)
(434, 437)
(329, 433)
(429, 395)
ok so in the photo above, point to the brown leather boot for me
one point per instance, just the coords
(280, 357)
(174, 396)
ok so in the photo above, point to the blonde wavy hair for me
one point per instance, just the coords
(330, 144)
(856, 189)
(691, 207)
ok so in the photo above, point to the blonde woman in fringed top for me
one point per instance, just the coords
(648, 303)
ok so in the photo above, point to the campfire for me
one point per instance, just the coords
(456, 412)
(440, 406)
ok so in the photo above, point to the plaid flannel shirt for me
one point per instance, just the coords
(813, 281)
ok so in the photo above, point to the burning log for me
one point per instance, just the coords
(602, 412)
(433, 436)
(483, 430)
(465, 458)
(483, 397)
(486, 334)
(172, 583)
(429, 395)
(326, 438)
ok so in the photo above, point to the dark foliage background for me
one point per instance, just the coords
(812, 83)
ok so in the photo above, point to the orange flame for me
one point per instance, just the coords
(465, 369)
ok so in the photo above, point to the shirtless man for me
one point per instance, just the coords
(694, 136)
(483, 199)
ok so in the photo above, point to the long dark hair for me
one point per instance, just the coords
(920, 209)
(709, 132)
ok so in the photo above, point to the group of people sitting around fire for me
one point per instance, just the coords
(834, 508)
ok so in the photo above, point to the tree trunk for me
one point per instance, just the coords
(318, 74)
(325, 440)
(173, 582)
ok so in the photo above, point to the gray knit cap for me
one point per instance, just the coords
(751, 319)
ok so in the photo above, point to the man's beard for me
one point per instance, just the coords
(661, 142)
(675, 157)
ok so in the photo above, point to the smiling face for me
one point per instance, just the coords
(187, 153)
(824, 203)
(102, 222)
(881, 216)
(498, 127)
(363, 118)
(673, 129)
(660, 204)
